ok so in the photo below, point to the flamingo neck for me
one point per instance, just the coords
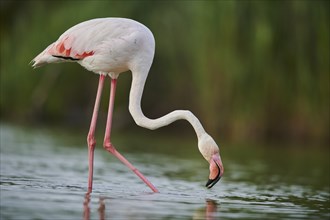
(138, 82)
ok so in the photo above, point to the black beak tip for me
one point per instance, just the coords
(211, 182)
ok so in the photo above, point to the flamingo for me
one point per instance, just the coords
(109, 47)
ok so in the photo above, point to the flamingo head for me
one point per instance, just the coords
(210, 151)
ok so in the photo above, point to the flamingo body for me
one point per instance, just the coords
(110, 46)
(103, 45)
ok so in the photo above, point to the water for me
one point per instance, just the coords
(44, 176)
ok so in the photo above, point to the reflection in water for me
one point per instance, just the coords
(42, 177)
(208, 212)
(101, 209)
(87, 200)
(87, 210)
(211, 209)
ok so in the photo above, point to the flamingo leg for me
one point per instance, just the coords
(91, 134)
(107, 142)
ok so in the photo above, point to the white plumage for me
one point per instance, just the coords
(110, 46)
(103, 45)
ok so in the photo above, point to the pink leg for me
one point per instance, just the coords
(107, 143)
(91, 134)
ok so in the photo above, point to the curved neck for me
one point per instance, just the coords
(138, 81)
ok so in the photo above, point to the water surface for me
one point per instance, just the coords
(44, 176)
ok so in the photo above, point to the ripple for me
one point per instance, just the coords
(49, 181)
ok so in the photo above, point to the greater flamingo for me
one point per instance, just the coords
(108, 47)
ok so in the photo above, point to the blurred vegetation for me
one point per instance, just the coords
(250, 70)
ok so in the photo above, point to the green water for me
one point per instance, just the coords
(44, 176)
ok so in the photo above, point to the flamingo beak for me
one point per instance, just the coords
(216, 170)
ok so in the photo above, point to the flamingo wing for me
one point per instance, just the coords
(102, 45)
(76, 43)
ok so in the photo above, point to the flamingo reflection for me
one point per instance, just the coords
(209, 212)
(101, 209)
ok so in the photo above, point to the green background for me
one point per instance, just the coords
(251, 71)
